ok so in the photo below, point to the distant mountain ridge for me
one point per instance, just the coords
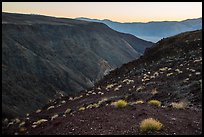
(154, 30)
(43, 56)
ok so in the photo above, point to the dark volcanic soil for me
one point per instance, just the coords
(173, 67)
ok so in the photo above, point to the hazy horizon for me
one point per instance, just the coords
(124, 12)
(100, 19)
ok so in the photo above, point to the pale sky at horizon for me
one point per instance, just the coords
(115, 11)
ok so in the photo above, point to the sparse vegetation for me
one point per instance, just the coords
(22, 124)
(154, 91)
(179, 105)
(17, 120)
(22, 129)
(39, 121)
(68, 111)
(103, 100)
(154, 102)
(82, 108)
(38, 111)
(51, 107)
(150, 124)
(110, 86)
(139, 102)
(55, 116)
(120, 103)
(95, 105)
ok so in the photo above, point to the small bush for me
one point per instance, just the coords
(38, 111)
(95, 105)
(154, 102)
(139, 102)
(51, 107)
(22, 129)
(120, 103)
(17, 120)
(22, 124)
(39, 121)
(68, 111)
(179, 105)
(154, 91)
(102, 101)
(150, 124)
(81, 108)
(54, 116)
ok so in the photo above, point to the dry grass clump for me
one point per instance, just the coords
(154, 102)
(120, 103)
(22, 124)
(68, 110)
(39, 121)
(82, 108)
(179, 105)
(22, 129)
(150, 125)
(139, 102)
(154, 91)
(95, 105)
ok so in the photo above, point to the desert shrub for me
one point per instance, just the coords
(39, 121)
(102, 101)
(81, 108)
(154, 102)
(51, 107)
(38, 111)
(179, 105)
(139, 102)
(95, 105)
(17, 120)
(54, 116)
(22, 124)
(154, 91)
(120, 103)
(22, 129)
(150, 124)
(67, 111)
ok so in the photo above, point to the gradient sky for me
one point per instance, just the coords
(116, 11)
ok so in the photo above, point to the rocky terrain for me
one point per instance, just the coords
(170, 72)
(44, 57)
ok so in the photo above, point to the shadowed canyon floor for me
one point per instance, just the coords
(44, 55)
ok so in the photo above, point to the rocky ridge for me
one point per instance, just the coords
(170, 71)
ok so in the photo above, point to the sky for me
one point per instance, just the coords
(115, 11)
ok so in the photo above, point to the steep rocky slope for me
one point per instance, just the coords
(170, 71)
(43, 56)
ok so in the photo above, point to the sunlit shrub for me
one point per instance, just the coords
(179, 105)
(68, 111)
(39, 121)
(120, 103)
(154, 102)
(81, 108)
(150, 124)
(139, 102)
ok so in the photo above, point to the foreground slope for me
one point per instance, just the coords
(43, 56)
(170, 72)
